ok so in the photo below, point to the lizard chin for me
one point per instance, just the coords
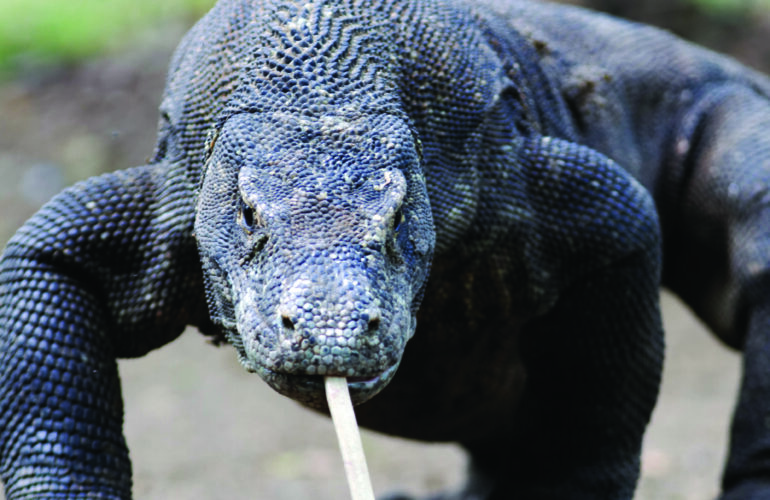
(309, 389)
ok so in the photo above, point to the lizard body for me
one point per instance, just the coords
(516, 178)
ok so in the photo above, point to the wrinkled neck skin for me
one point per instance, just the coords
(313, 220)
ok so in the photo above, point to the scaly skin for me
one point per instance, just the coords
(329, 174)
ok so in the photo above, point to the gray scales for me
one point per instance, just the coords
(317, 161)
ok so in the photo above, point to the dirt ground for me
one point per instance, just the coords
(200, 427)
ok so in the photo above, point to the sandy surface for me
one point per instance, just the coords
(200, 427)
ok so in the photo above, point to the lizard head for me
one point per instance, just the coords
(316, 237)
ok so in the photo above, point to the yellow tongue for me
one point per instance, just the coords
(344, 418)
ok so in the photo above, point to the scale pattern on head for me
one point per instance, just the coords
(316, 145)
(316, 238)
(423, 59)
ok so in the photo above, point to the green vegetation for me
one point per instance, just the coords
(55, 30)
(732, 5)
(68, 30)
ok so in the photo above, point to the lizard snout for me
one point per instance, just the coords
(366, 324)
(331, 326)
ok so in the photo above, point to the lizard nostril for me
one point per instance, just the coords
(287, 322)
(374, 325)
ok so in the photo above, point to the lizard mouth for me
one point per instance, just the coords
(362, 380)
(309, 389)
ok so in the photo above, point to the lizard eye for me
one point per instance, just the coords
(247, 217)
(392, 247)
(398, 221)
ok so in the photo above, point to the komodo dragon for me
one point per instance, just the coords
(317, 160)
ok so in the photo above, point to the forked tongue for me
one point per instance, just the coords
(341, 408)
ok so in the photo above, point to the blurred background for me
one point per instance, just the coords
(80, 82)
